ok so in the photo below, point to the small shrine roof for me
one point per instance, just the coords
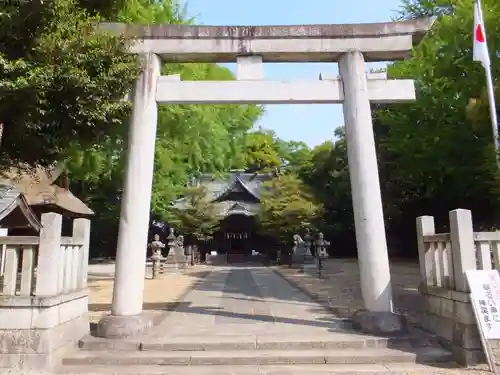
(13, 202)
(37, 186)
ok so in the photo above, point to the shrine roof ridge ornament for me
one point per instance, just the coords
(286, 43)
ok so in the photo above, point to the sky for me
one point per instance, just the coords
(310, 123)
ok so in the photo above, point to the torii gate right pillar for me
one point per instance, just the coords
(371, 241)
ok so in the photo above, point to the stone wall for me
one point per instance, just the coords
(448, 314)
(34, 330)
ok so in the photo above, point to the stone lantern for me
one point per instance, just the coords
(173, 259)
(321, 252)
(171, 241)
(307, 244)
(157, 257)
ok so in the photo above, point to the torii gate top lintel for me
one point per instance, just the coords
(287, 43)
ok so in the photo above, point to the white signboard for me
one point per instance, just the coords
(485, 298)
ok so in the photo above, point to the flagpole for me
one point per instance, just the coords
(493, 111)
(491, 91)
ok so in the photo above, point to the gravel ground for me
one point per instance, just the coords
(340, 286)
(159, 294)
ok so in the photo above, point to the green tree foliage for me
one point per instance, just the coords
(436, 154)
(150, 12)
(294, 154)
(196, 139)
(60, 81)
(327, 173)
(191, 139)
(197, 217)
(478, 110)
(411, 9)
(287, 208)
(137, 11)
(61, 85)
(261, 151)
(265, 151)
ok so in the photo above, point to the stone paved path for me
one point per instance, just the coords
(241, 300)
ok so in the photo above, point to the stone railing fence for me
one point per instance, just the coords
(444, 258)
(43, 292)
(20, 273)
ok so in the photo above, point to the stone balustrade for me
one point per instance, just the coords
(444, 258)
(19, 273)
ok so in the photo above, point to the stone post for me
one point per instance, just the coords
(425, 227)
(462, 247)
(81, 232)
(366, 196)
(126, 311)
(50, 257)
(3, 233)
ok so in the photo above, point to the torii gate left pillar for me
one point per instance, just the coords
(349, 45)
(127, 317)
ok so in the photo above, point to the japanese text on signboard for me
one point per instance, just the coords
(485, 297)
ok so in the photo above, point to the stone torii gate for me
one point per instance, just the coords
(351, 45)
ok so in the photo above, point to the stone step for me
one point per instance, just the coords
(337, 369)
(252, 342)
(423, 355)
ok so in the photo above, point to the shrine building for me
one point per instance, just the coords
(236, 199)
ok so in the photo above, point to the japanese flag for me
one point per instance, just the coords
(480, 51)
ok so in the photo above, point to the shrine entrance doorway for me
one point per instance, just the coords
(238, 238)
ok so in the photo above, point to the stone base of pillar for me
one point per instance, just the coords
(117, 327)
(379, 323)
